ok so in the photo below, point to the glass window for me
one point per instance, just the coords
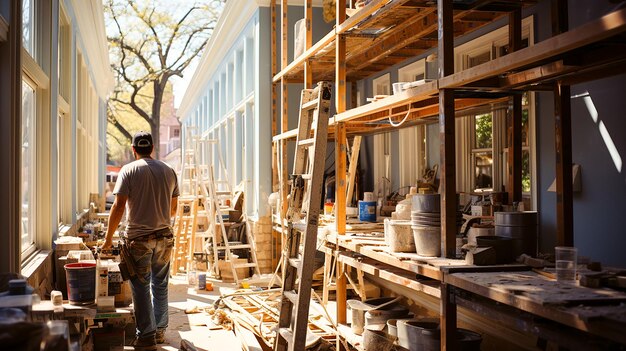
(28, 26)
(482, 152)
(28, 163)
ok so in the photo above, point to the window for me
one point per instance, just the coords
(28, 26)
(482, 151)
(28, 168)
(176, 133)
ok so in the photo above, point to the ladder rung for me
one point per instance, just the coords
(295, 262)
(306, 142)
(286, 334)
(304, 176)
(291, 296)
(310, 105)
(245, 265)
(235, 247)
(222, 193)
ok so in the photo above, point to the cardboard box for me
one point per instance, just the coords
(481, 210)
(226, 272)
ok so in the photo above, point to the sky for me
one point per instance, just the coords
(181, 84)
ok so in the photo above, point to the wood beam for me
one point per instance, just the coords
(594, 31)
(275, 164)
(354, 160)
(308, 19)
(563, 147)
(559, 17)
(447, 165)
(514, 129)
(340, 177)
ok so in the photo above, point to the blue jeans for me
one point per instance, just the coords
(152, 259)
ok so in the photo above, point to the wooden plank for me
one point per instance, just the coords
(559, 12)
(566, 337)
(514, 130)
(412, 29)
(563, 147)
(308, 19)
(418, 93)
(354, 160)
(448, 318)
(541, 296)
(391, 274)
(299, 61)
(340, 178)
(284, 22)
(597, 30)
(341, 294)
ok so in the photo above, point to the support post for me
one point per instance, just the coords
(275, 155)
(514, 130)
(563, 147)
(446, 131)
(448, 318)
(308, 18)
(284, 98)
(447, 160)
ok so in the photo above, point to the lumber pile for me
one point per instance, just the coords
(258, 312)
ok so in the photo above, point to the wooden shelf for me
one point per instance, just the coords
(385, 33)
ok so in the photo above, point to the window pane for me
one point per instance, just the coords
(28, 160)
(28, 26)
(525, 171)
(483, 166)
(483, 131)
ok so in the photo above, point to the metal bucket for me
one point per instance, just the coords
(81, 283)
(427, 241)
(521, 227)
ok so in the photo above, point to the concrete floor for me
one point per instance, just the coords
(193, 327)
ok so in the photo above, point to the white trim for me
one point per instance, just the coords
(4, 29)
(236, 14)
(89, 24)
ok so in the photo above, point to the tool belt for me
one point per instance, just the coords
(161, 233)
(128, 266)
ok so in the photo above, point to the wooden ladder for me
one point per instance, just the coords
(212, 205)
(304, 203)
(184, 233)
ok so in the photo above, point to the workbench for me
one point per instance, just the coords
(512, 295)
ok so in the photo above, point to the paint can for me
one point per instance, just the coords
(81, 283)
(201, 281)
(367, 211)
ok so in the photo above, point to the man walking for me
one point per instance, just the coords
(148, 189)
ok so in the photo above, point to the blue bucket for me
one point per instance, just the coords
(367, 211)
(81, 283)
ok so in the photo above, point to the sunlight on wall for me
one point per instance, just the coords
(606, 137)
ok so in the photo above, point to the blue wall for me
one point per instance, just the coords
(600, 208)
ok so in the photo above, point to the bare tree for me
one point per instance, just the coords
(150, 42)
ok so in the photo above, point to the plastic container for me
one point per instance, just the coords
(81, 283)
(367, 211)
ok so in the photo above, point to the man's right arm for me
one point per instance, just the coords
(115, 216)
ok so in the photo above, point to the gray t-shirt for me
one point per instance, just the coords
(150, 186)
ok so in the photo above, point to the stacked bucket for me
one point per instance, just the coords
(426, 224)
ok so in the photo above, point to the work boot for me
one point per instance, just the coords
(160, 336)
(145, 344)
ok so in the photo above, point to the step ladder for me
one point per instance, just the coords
(184, 233)
(212, 206)
(305, 189)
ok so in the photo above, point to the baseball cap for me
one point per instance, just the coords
(142, 139)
